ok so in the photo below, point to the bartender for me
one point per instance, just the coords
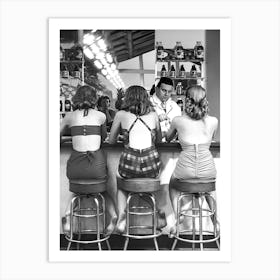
(164, 106)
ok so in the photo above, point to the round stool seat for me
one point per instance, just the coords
(192, 187)
(139, 185)
(87, 186)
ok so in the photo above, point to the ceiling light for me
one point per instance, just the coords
(101, 44)
(98, 64)
(109, 58)
(104, 72)
(113, 66)
(95, 49)
(88, 53)
(88, 39)
(100, 55)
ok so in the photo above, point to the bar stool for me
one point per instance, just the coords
(198, 192)
(144, 189)
(91, 190)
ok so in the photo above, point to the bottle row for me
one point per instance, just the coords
(73, 54)
(72, 70)
(179, 53)
(181, 72)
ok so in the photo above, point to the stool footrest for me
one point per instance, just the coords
(142, 236)
(87, 241)
(198, 241)
(87, 216)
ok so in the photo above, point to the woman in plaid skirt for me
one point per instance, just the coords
(140, 127)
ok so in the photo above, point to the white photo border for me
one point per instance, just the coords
(224, 204)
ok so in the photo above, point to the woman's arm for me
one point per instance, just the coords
(103, 127)
(103, 132)
(65, 124)
(215, 128)
(158, 130)
(171, 133)
(115, 129)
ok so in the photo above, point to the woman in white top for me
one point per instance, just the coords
(88, 130)
(195, 132)
(140, 127)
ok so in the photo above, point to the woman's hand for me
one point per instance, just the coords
(163, 117)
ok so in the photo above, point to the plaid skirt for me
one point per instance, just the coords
(136, 163)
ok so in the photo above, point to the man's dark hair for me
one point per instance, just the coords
(165, 80)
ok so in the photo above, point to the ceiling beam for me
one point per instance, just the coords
(138, 34)
(144, 45)
(129, 44)
(144, 38)
(142, 51)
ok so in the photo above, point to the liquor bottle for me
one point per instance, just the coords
(182, 71)
(61, 100)
(193, 72)
(179, 89)
(198, 50)
(76, 72)
(163, 71)
(64, 71)
(61, 105)
(160, 50)
(67, 104)
(179, 51)
(180, 103)
(172, 71)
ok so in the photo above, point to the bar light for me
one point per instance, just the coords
(95, 49)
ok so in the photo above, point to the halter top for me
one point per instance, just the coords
(126, 132)
(85, 130)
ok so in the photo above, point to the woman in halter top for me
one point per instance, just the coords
(88, 130)
(195, 131)
(141, 130)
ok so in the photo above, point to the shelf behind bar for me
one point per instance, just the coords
(181, 60)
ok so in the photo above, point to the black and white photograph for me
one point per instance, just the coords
(140, 140)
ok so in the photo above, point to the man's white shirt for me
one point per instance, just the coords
(171, 109)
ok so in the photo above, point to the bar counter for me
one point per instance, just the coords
(169, 153)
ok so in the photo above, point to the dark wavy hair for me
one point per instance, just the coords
(101, 99)
(196, 106)
(137, 101)
(84, 99)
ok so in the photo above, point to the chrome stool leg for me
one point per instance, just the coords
(200, 202)
(214, 217)
(127, 221)
(97, 222)
(79, 222)
(154, 218)
(71, 221)
(177, 221)
(193, 221)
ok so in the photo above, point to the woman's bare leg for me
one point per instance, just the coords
(111, 212)
(121, 200)
(174, 194)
